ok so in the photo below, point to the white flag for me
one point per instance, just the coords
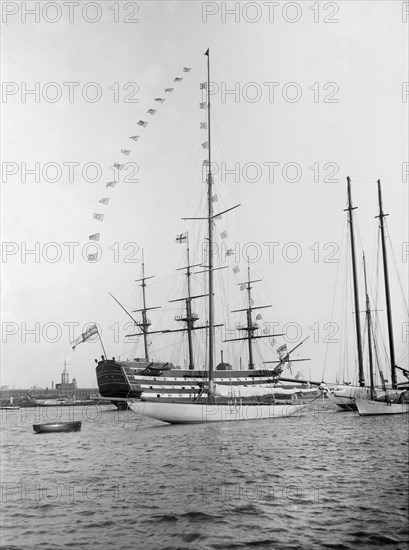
(181, 238)
(84, 336)
(282, 351)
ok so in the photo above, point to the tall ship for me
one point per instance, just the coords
(164, 381)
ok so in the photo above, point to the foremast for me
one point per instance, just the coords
(145, 323)
(387, 292)
(356, 291)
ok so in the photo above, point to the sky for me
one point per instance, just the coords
(304, 94)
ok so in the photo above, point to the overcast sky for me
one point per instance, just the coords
(305, 94)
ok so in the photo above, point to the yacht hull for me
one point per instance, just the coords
(375, 408)
(196, 413)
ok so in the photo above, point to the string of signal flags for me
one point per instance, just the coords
(99, 216)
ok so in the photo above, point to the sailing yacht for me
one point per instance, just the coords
(392, 401)
(347, 396)
(218, 393)
(344, 395)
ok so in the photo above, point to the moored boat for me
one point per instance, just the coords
(346, 396)
(395, 400)
(172, 394)
(376, 408)
(217, 396)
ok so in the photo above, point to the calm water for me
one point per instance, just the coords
(323, 480)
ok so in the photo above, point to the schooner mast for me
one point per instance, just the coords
(210, 221)
(387, 293)
(356, 291)
(210, 234)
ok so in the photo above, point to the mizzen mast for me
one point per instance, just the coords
(250, 328)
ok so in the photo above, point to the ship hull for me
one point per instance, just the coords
(195, 413)
(377, 408)
(131, 380)
(346, 397)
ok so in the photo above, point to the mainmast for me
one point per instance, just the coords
(387, 293)
(355, 279)
(189, 318)
(369, 328)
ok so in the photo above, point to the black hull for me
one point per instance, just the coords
(112, 381)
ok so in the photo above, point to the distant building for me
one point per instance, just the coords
(66, 385)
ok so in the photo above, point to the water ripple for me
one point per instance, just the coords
(324, 480)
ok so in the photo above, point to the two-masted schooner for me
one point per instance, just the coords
(365, 398)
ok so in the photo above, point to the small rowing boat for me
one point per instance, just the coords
(57, 427)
